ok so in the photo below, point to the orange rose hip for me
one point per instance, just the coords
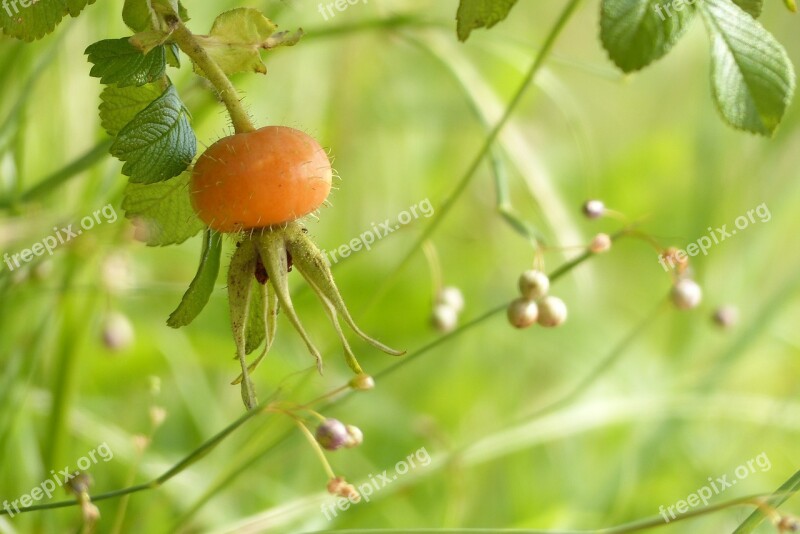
(259, 179)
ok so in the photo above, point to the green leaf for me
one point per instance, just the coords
(201, 288)
(121, 104)
(158, 143)
(173, 55)
(752, 7)
(473, 14)
(148, 40)
(31, 20)
(162, 212)
(140, 16)
(137, 15)
(237, 38)
(118, 61)
(637, 32)
(752, 77)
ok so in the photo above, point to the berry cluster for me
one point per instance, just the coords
(535, 305)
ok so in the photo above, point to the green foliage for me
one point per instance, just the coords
(635, 34)
(237, 37)
(39, 18)
(163, 210)
(473, 14)
(753, 7)
(138, 15)
(158, 143)
(752, 77)
(121, 104)
(201, 288)
(117, 61)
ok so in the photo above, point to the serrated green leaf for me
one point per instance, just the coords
(118, 61)
(37, 19)
(752, 77)
(162, 212)
(158, 143)
(137, 15)
(237, 38)
(121, 104)
(202, 286)
(473, 14)
(752, 7)
(637, 32)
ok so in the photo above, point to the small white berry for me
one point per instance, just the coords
(686, 294)
(452, 297)
(522, 313)
(117, 332)
(444, 318)
(355, 436)
(552, 312)
(600, 243)
(594, 209)
(533, 284)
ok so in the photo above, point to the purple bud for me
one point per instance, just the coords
(332, 434)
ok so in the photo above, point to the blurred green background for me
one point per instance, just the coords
(388, 88)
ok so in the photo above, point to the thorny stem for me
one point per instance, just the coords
(227, 92)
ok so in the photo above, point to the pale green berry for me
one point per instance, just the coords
(552, 312)
(686, 294)
(533, 284)
(362, 382)
(522, 313)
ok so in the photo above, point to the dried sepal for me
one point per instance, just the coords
(240, 286)
(310, 261)
(272, 247)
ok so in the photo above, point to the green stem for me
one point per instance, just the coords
(193, 457)
(227, 92)
(472, 170)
